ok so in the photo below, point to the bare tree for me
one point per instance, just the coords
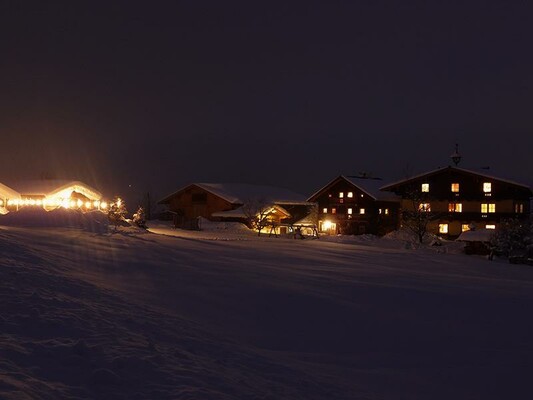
(418, 215)
(257, 212)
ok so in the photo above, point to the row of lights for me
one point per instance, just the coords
(65, 203)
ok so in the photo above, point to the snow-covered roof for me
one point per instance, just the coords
(240, 212)
(466, 171)
(237, 213)
(479, 235)
(51, 187)
(370, 186)
(7, 193)
(240, 193)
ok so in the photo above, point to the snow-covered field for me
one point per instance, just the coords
(223, 314)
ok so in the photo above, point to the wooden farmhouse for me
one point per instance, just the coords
(283, 208)
(355, 205)
(457, 199)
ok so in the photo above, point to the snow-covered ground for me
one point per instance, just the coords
(224, 314)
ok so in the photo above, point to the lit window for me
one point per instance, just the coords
(350, 211)
(350, 194)
(443, 228)
(487, 187)
(455, 187)
(492, 208)
(424, 207)
(380, 210)
(325, 210)
(455, 207)
(341, 195)
(490, 226)
(334, 211)
(465, 227)
(484, 208)
(386, 211)
(425, 187)
(518, 208)
(361, 211)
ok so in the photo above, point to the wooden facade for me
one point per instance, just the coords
(355, 205)
(231, 202)
(459, 199)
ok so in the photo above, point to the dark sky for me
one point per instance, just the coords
(160, 94)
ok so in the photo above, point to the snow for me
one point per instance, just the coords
(7, 193)
(372, 186)
(478, 235)
(50, 187)
(135, 314)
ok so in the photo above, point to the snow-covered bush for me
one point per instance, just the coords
(117, 212)
(512, 235)
(139, 218)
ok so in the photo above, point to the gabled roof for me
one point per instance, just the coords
(241, 212)
(240, 193)
(450, 168)
(370, 186)
(7, 193)
(51, 187)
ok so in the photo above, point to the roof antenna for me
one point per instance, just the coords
(456, 157)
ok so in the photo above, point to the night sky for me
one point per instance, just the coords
(160, 94)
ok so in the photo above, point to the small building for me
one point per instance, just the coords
(457, 199)
(354, 205)
(7, 194)
(233, 202)
(49, 194)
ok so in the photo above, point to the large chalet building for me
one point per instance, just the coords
(355, 205)
(458, 199)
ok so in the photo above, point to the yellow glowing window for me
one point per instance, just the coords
(465, 227)
(350, 194)
(487, 187)
(492, 208)
(325, 210)
(443, 228)
(455, 207)
(341, 195)
(490, 226)
(350, 211)
(361, 211)
(425, 187)
(334, 211)
(455, 187)
(518, 208)
(386, 211)
(380, 210)
(484, 208)
(424, 207)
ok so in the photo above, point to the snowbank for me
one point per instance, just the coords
(93, 221)
(235, 227)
